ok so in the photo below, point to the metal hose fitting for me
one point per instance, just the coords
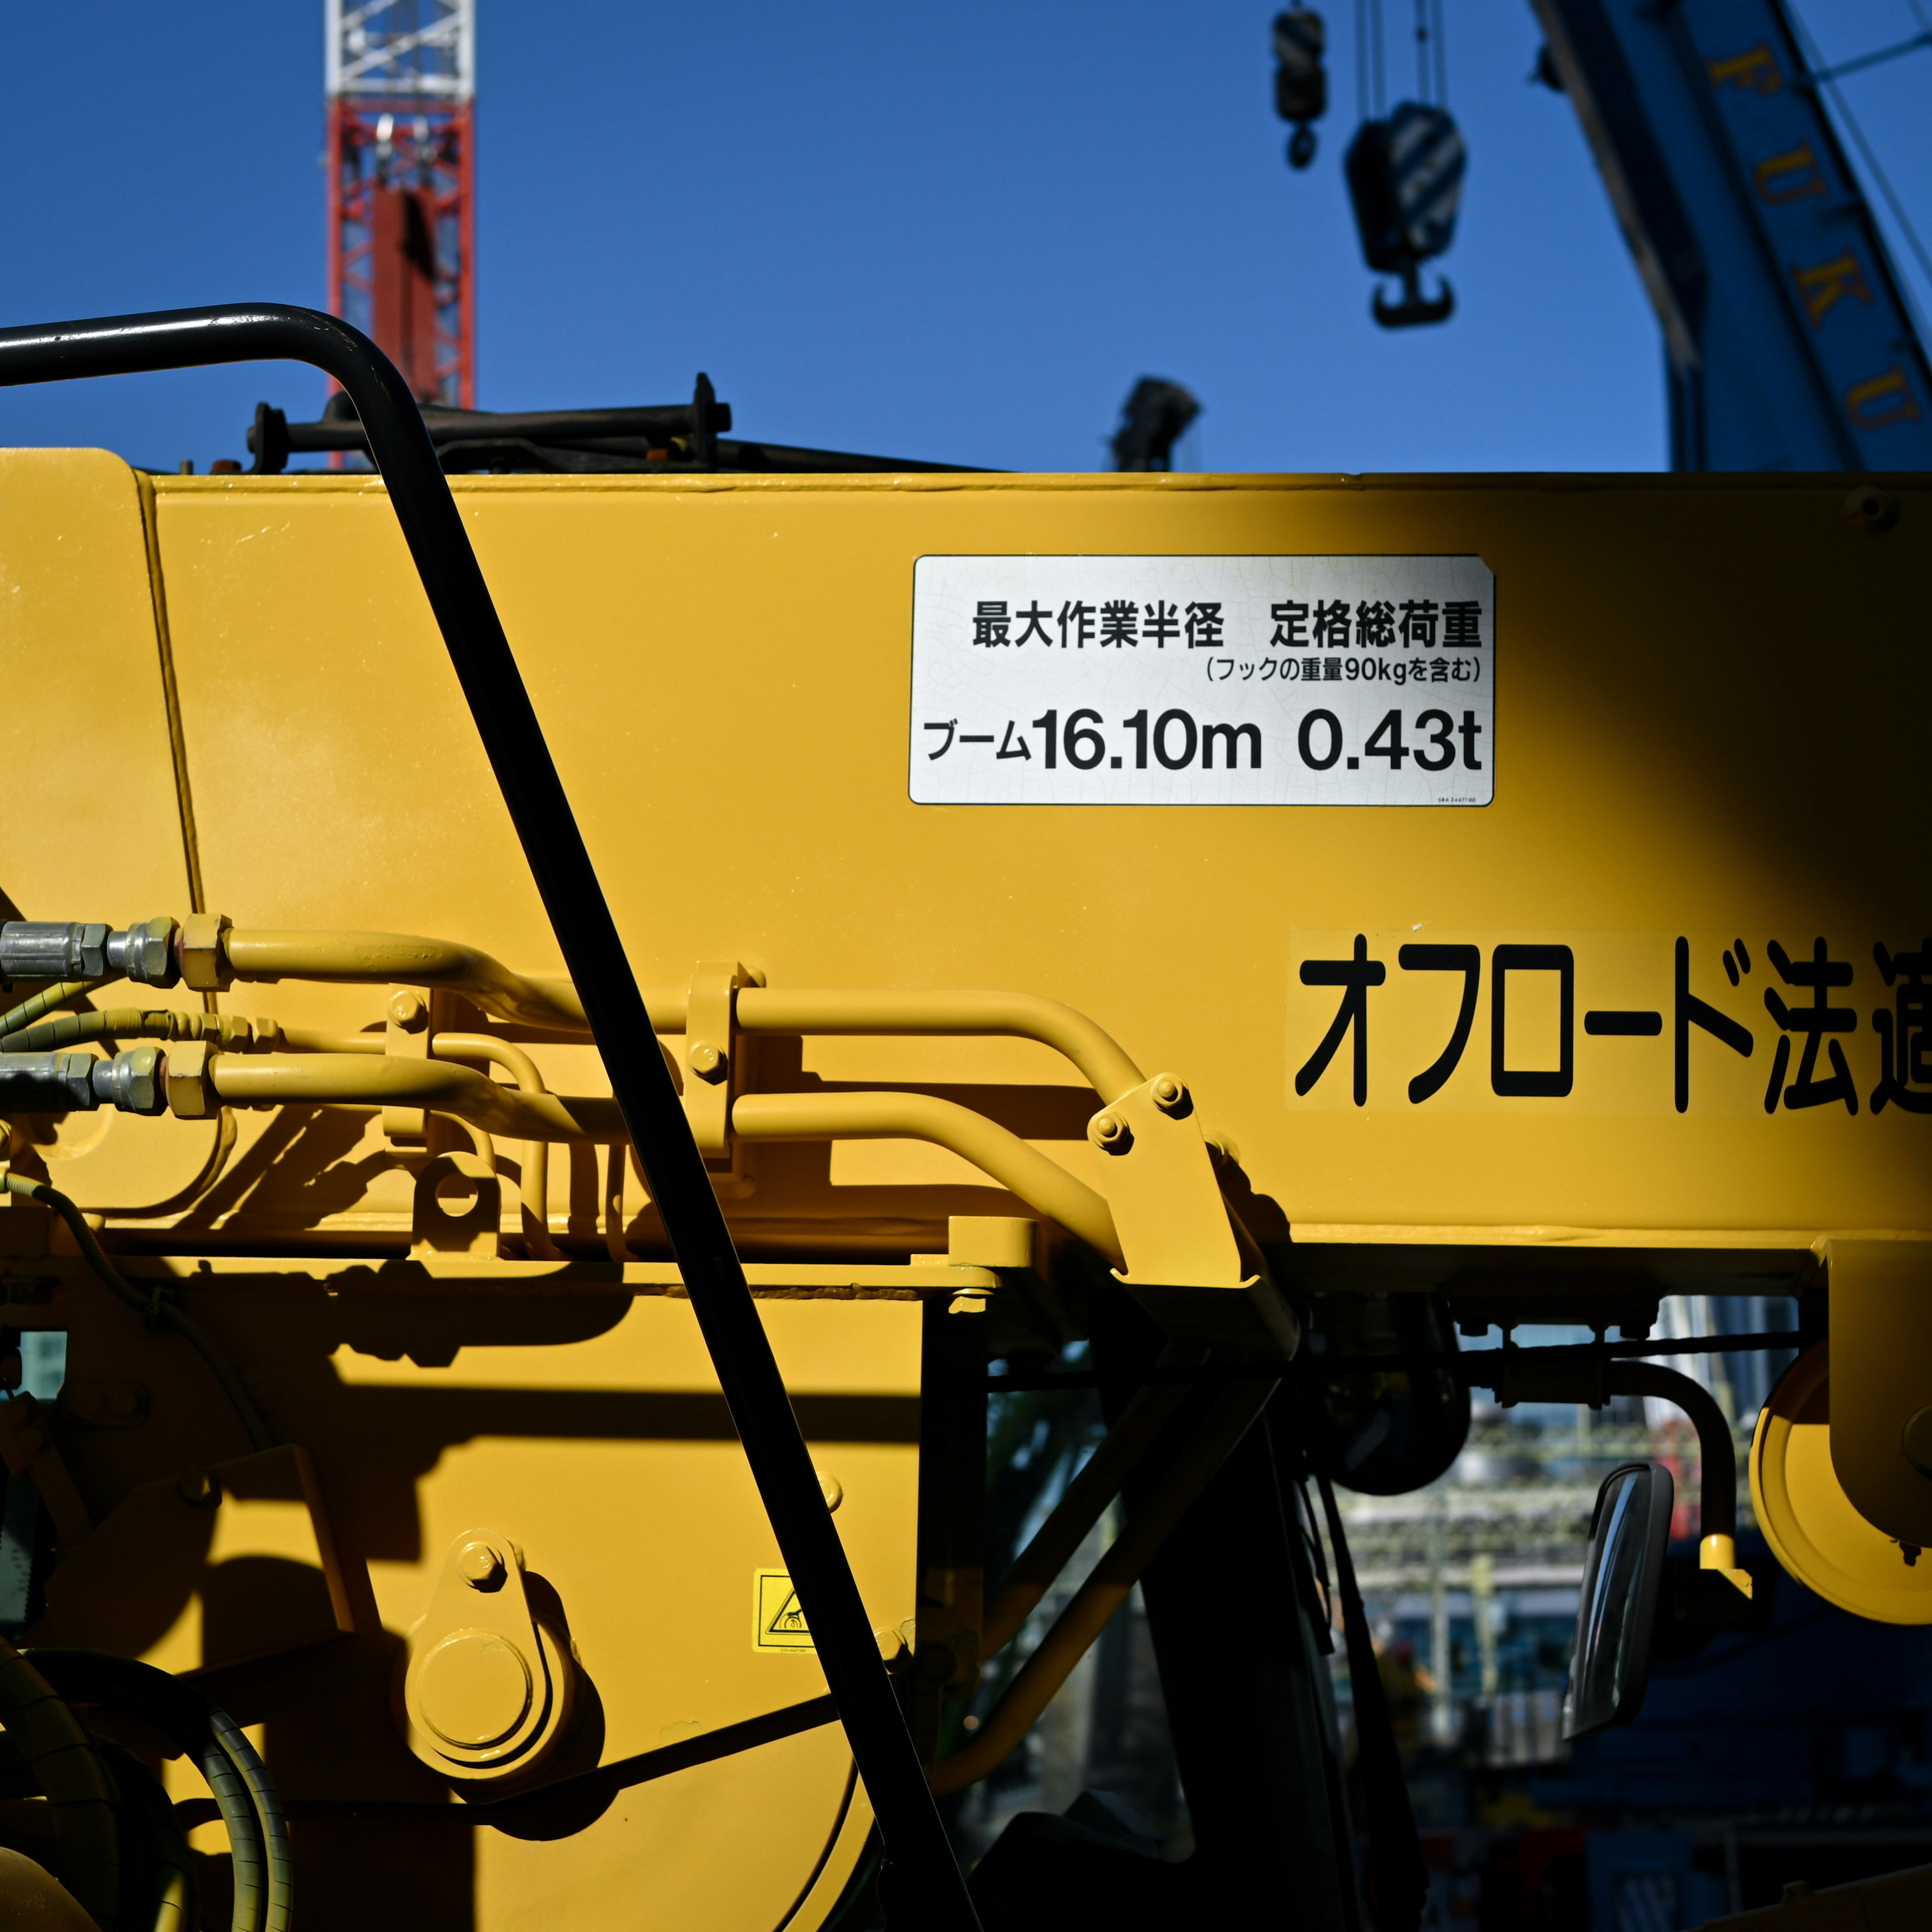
(135, 1082)
(43, 948)
(68, 1083)
(48, 1083)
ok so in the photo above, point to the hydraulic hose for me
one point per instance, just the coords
(79, 1791)
(258, 1835)
(45, 1001)
(128, 1023)
(159, 1305)
(925, 1877)
(173, 1897)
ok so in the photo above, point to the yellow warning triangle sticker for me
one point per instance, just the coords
(780, 1623)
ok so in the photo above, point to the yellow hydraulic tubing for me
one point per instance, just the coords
(372, 1080)
(1024, 1015)
(384, 959)
(442, 1086)
(535, 1191)
(1234, 1411)
(1016, 1166)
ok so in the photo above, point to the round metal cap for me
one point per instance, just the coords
(1808, 1520)
(474, 1689)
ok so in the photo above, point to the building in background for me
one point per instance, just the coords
(401, 172)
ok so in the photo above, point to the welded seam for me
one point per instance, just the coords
(171, 698)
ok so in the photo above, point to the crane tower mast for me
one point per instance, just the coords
(401, 86)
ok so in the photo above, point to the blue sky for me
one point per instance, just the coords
(955, 233)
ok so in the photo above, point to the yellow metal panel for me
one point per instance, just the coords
(1684, 745)
(94, 824)
(93, 829)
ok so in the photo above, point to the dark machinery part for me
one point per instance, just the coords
(651, 440)
(1398, 1872)
(1406, 180)
(1300, 80)
(1385, 1432)
(1254, 1732)
(1154, 418)
(924, 1881)
(249, 1809)
(48, 1745)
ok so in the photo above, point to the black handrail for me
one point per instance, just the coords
(927, 1884)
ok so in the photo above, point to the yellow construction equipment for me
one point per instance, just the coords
(1016, 989)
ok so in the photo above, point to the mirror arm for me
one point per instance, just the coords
(1538, 1375)
(1717, 1461)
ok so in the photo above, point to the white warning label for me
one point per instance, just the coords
(1203, 680)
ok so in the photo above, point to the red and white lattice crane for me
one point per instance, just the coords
(401, 162)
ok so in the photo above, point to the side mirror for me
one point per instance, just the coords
(1610, 1663)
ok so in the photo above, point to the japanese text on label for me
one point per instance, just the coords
(1187, 680)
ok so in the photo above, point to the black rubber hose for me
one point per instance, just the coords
(159, 1893)
(926, 1878)
(79, 1789)
(258, 1837)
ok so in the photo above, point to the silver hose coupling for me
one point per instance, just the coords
(69, 1083)
(135, 1082)
(146, 953)
(46, 948)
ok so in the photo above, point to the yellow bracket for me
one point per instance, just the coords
(1721, 1553)
(1173, 1224)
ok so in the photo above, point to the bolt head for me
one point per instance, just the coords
(707, 1061)
(204, 966)
(146, 1087)
(482, 1567)
(831, 1488)
(1109, 1133)
(198, 1488)
(1868, 508)
(1169, 1095)
(190, 1093)
(407, 1011)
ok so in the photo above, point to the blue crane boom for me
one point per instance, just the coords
(1788, 343)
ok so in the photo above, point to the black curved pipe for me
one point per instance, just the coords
(929, 1882)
